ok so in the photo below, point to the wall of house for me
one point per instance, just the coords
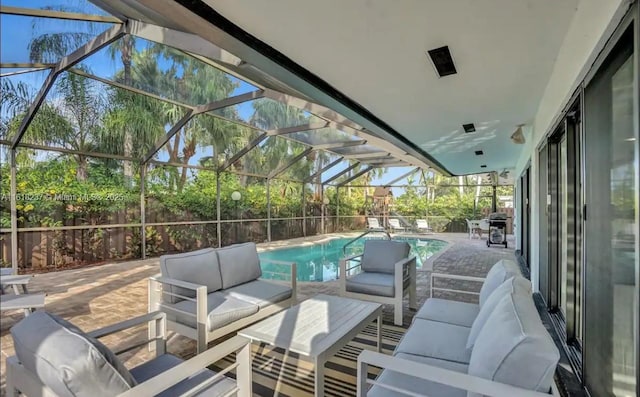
(593, 23)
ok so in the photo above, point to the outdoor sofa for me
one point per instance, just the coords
(452, 350)
(54, 358)
(387, 274)
(209, 293)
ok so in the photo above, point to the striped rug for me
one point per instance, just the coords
(277, 375)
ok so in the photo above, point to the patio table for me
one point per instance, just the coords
(317, 328)
(15, 281)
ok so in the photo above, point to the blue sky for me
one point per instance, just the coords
(18, 31)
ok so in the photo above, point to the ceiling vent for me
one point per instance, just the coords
(479, 152)
(469, 128)
(442, 61)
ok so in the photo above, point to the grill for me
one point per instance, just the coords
(497, 229)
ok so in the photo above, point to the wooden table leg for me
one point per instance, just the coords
(379, 326)
(319, 379)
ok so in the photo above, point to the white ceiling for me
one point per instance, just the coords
(373, 51)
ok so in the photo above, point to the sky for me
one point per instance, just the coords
(18, 31)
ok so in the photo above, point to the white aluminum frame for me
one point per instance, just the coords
(403, 269)
(200, 333)
(21, 381)
(434, 374)
(435, 276)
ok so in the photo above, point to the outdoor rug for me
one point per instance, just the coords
(295, 377)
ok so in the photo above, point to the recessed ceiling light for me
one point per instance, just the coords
(479, 152)
(469, 128)
(442, 61)
(483, 166)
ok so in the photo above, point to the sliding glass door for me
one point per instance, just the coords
(610, 228)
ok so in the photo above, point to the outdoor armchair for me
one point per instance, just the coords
(54, 358)
(386, 275)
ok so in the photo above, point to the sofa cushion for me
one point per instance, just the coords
(221, 309)
(259, 292)
(514, 347)
(198, 267)
(448, 311)
(514, 285)
(416, 385)
(436, 340)
(67, 360)
(239, 264)
(164, 362)
(371, 283)
(382, 255)
(499, 273)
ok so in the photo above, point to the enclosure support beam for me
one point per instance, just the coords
(219, 228)
(14, 212)
(339, 174)
(170, 134)
(243, 151)
(333, 145)
(102, 40)
(324, 169)
(337, 228)
(44, 13)
(298, 128)
(304, 212)
(358, 174)
(398, 179)
(269, 210)
(294, 160)
(143, 217)
(323, 211)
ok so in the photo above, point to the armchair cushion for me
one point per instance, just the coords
(221, 310)
(499, 273)
(199, 267)
(448, 311)
(162, 363)
(514, 347)
(259, 292)
(67, 360)
(239, 264)
(381, 255)
(436, 340)
(514, 285)
(419, 386)
(372, 283)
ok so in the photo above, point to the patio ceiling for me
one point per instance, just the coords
(374, 53)
(320, 129)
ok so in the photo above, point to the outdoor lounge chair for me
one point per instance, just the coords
(373, 224)
(395, 225)
(387, 274)
(55, 358)
(210, 293)
(423, 226)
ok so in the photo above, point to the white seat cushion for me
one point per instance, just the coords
(436, 340)
(259, 292)
(514, 347)
(514, 285)
(448, 311)
(199, 267)
(416, 385)
(221, 309)
(499, 273)
(160, 364)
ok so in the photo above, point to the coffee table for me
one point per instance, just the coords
(317, 328)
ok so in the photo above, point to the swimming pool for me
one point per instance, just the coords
(320, 262)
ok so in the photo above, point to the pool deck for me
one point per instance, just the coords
(94, 297)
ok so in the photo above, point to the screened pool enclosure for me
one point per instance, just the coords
(122, 139)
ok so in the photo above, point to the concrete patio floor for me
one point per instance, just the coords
(94, 297)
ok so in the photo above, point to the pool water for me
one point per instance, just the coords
(320, 262)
